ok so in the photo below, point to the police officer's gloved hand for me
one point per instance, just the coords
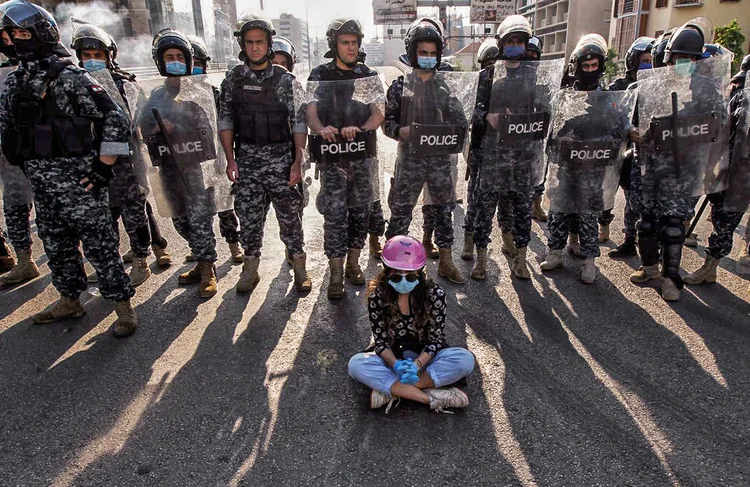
(99, 176)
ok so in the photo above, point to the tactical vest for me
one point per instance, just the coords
(43, 132)
(259, 117)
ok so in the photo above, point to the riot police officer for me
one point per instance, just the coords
(284, 53)
(257, 124)
(345, 227)
(534, 51)
(638, 58)
(586, 67)
(68, 163)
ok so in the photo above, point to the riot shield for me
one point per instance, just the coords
(178, 126)
(105, 80)
(691, 99)
(737, 196)
(585, 148)
(348, 167)
(436, 107)
(517, 124)
(14, 186)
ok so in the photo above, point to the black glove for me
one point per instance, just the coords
(99, 176)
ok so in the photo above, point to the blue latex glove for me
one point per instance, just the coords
(407, 371)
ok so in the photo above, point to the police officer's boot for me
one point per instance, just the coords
(190, 257)
(625, 249)
(163, 258)
(479, 272)
(603, 233)
(128, 257)
(139, 272)
(238, 255)
(288, 257)
(208, 285)
(669, 290)
(519, 266)
(691, 240)
(447, 269)
(645, 273)
(249, 277)
(61, 309)
(509, 244)
(574, 244)
(193, 276)
(126, 322)
(23, 271)
(429, 248)
(468, 251)
(6, 260)
(553, 261)
(336, 281)
(353, 270)
(707, 272)
(537, 212)
(301, 278)
(588, 271)
(376, 250)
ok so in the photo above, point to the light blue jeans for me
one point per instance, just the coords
(448, 366)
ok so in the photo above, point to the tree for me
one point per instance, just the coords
(611, 69)
(731, 37)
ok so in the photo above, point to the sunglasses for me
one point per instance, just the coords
(395, 278)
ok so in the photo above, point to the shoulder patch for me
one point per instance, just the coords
(96, 89)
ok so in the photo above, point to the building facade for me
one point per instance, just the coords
(634, 18)
(560, 23)
(295, 29)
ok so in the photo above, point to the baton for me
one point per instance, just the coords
(697, 216)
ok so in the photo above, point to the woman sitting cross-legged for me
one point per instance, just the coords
(411, 358)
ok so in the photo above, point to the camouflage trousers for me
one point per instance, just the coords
(229, 226)
(514, 215)
(584, 224)
(376, 220)
(197, 228)
(263, 179)
(725, 223)
(346, 221)
(135, 221)
(18, 220)
(66, 216)
(471, 207)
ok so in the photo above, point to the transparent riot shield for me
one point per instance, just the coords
(587, 141)
(517, 124)
(14, 186)
(737, 196)
(345, 156)
(105, 80)
(436, 109)
(179, 130)
(689, 101)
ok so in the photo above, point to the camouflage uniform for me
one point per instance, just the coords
(376, 220)
(66, 213)
(18, 220)
(196, 208)
(343, 186)
(434, 172)
(263, 169)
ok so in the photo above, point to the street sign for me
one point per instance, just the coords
(491, 11)
(394, 11)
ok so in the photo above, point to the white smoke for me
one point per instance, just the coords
(131, 51)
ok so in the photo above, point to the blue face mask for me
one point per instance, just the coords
(177, 68)
(94, 65)
(644, 66)
(426, 62)
(513, 52)
(684, 67)
(403, 286)
(198, 70)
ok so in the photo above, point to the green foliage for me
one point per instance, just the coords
(611, 68)
(731, 37)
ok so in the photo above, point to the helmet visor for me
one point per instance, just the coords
(22, 15)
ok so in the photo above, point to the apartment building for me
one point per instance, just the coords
(295, 29)
(560, 23)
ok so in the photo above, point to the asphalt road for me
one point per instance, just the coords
(602, 384)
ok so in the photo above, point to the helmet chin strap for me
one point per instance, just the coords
(259, 62)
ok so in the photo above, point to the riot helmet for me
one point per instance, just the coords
(513, 25)
(283, 46)
(8, 50)
(170, 38)
(200, 55)
(704, 26)
(686, 40)
(339, 27)
(92, 37)
(590, 46)
(659, 48)
(487, 53)
(633, 56)
(536, 45)
(247, 22)
(45, 34)
(424, 30)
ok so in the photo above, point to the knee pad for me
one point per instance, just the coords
(646, 226)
